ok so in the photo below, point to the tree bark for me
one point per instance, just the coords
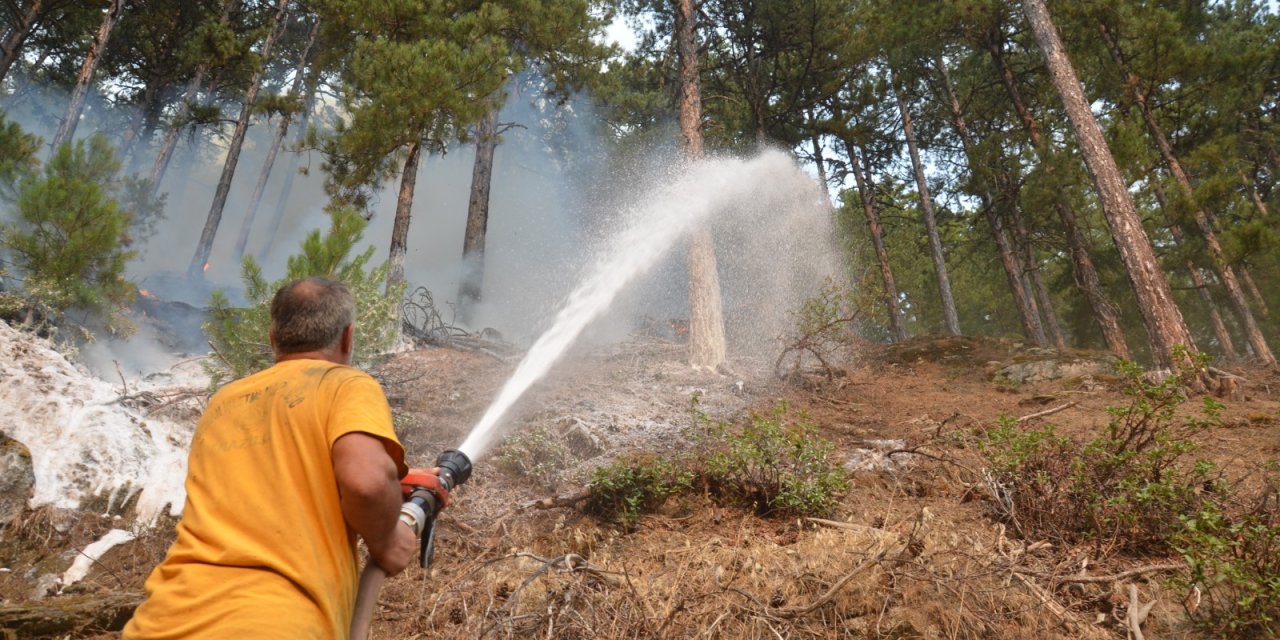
(951, 318)
(866, 193)
(201, 257)
(18, 36)
(404, 210)
(1031, 327)
(1163, 320)
(1086, 274)
(470, 290)
(281, 129)
(71, 118)
(1253, 291)
(1226, 275)
(165, 155)
(706, 319)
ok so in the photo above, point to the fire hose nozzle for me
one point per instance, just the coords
(412, 514)
(455, 467)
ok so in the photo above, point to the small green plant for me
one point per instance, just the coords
(1234, 567)
(536, 455)
(1124, 489)
(239, 334)
(628, 487)
(776, 464)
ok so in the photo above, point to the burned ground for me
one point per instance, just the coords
(912, 552)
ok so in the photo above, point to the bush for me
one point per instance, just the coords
(239, 334)
(1124, 490)
(628, 487)
(74, 225)
(535, 455)
(1234, 568)
(824, 326)
(776, 465)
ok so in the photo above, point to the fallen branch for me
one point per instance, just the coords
(1137, 613)
(57, 616)
(557, 501)
(1046, 412)
(795, 612)
(1115, 577)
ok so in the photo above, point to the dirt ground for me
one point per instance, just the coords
(913, 551)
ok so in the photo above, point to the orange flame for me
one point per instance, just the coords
(206, 266)
(144, 293)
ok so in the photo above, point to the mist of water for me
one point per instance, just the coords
(706, 190)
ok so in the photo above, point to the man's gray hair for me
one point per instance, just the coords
(309, 314)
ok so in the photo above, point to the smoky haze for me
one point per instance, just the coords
(556, 198)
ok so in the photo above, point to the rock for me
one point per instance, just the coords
(578, 438)
(17, 478)
(1055, 369)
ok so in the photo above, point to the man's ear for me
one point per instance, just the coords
(271, 339)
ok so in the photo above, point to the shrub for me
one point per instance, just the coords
(536, 455)
(1124, 489)
(1234, 568)
(239, 334)
(777, 465)
(628, 487)
(72, 231)
(824, 326)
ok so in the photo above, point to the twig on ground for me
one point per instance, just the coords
(1046, 412)
(795, 612)
(1137, 613)
(1115, 577)
(553, 502)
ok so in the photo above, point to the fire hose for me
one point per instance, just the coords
(419, 512)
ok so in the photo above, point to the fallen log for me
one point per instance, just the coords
(62, 615)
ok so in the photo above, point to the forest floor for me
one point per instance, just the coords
(913, 551)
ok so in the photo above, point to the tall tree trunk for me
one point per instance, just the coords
(1031, 327)
(1163, 320)
(951, 318)
(67, 130)
(821, 163)
(205, 246)
(18, 36)
(404, 210)
(866, 193)
(277, 215)
(1226, 275)
(1254, 292)
(470, 290)
(165, 154)
(706, 319)
(282, 128)
(1086, 274)
(1035, 277)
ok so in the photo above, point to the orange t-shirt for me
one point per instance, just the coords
(263, 550)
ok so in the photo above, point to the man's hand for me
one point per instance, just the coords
(370, 491)
(400, 550)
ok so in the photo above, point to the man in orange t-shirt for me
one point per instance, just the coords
(286, 467)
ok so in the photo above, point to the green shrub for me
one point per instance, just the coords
(74, 223)
(535, 455)
(628, 487)
(776, 465)
(1124, 489)
(1234, 568)
(239, 334)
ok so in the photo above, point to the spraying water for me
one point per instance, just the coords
(706, 188)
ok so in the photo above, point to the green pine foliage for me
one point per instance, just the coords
(69, 241)
(238, 334)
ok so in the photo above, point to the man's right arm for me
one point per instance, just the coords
(368, 483)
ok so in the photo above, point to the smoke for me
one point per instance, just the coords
(557, 196)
